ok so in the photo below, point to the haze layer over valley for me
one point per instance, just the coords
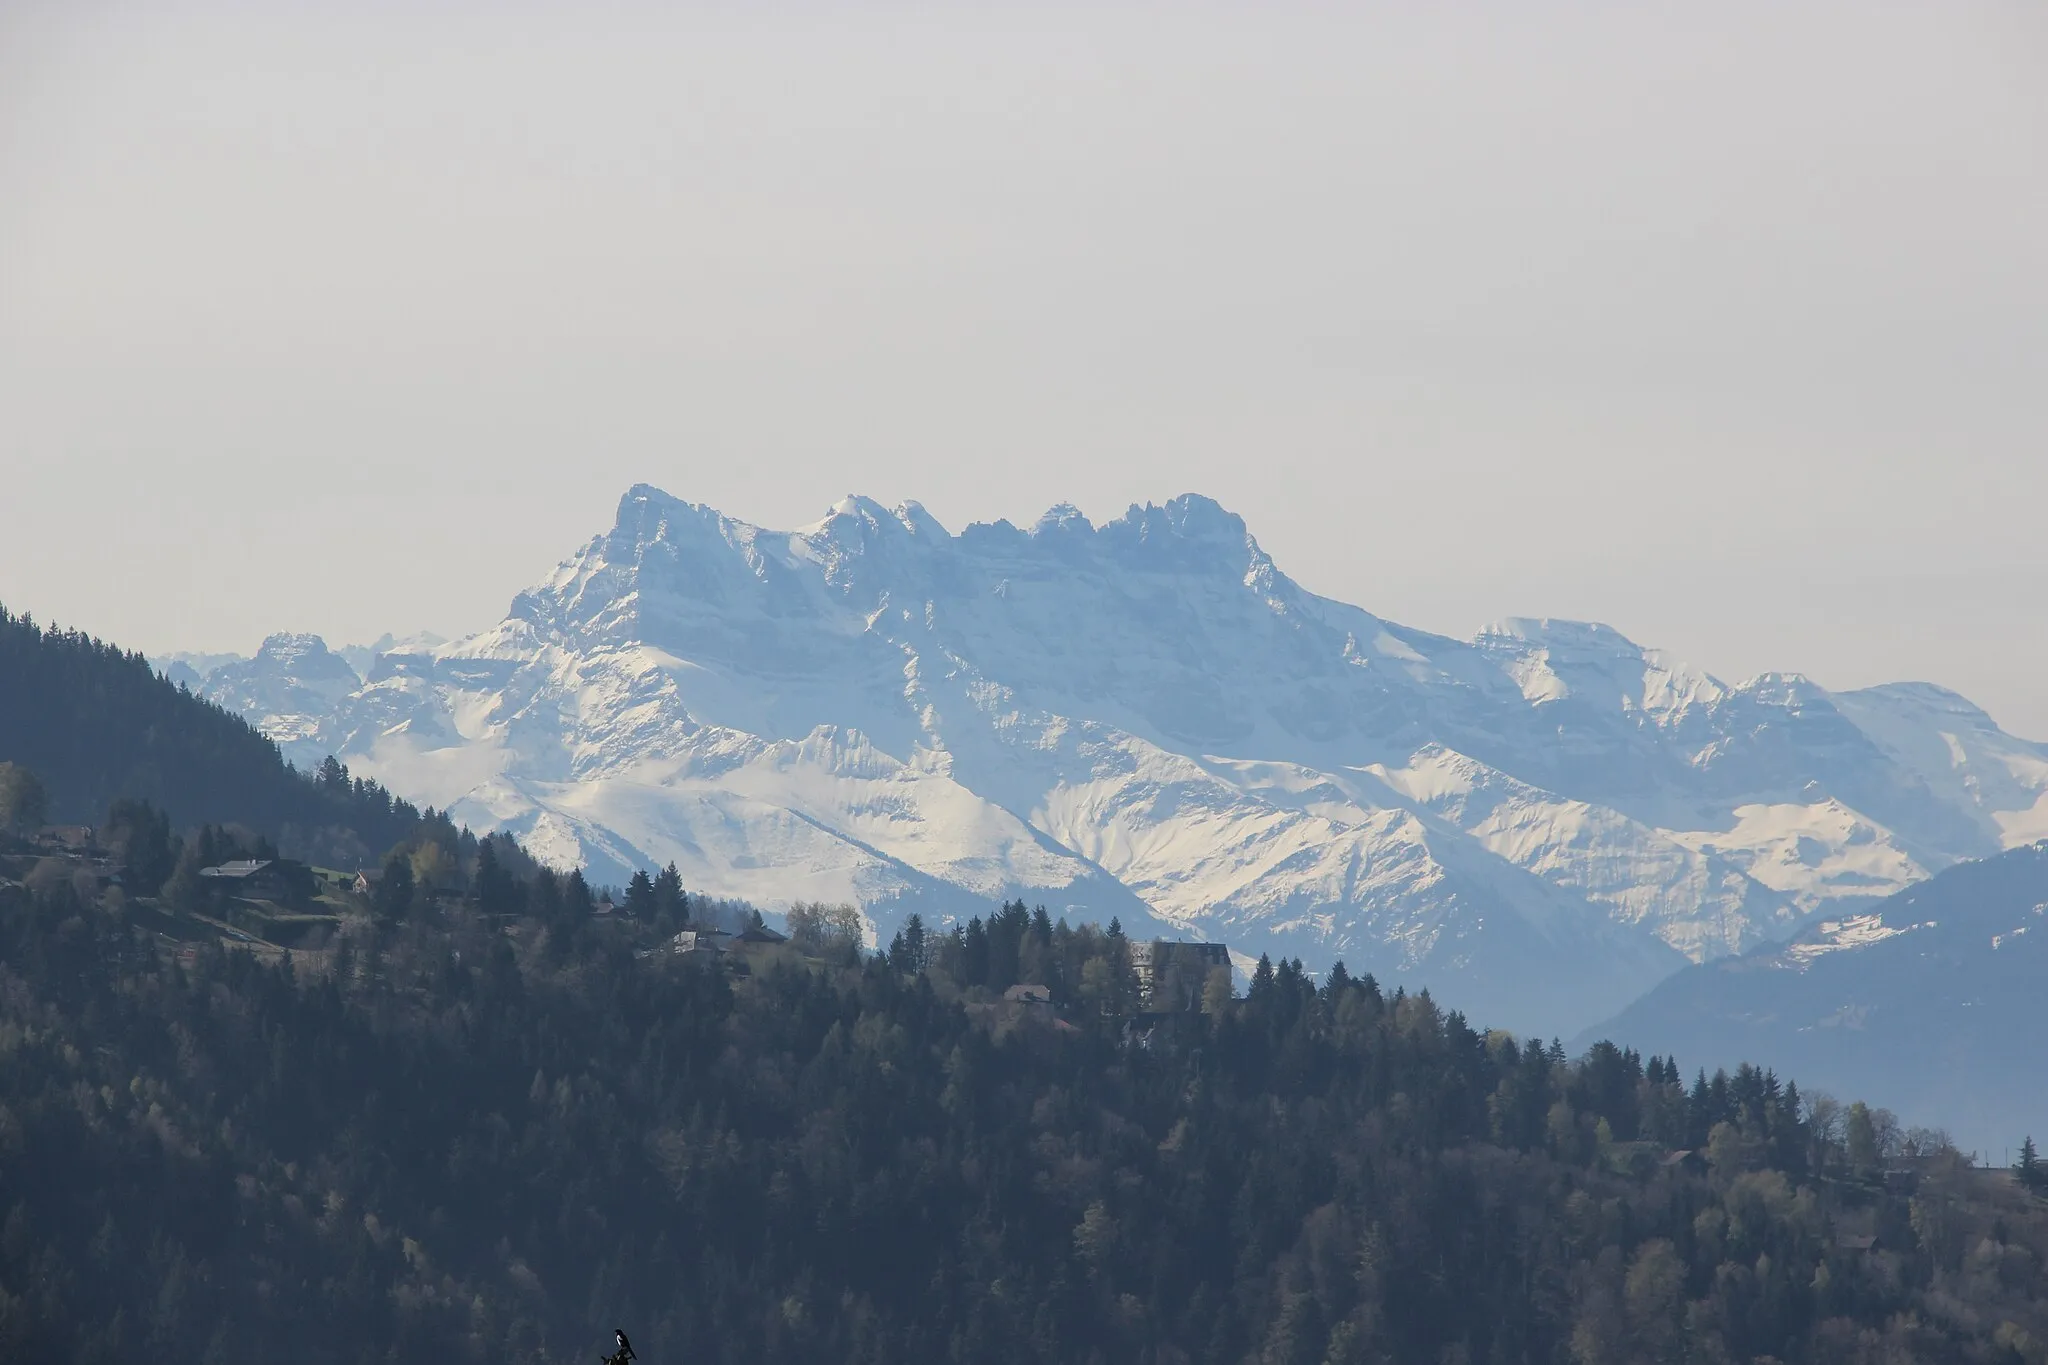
(1149, 719)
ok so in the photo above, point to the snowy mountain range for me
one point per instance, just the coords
(1148, 719)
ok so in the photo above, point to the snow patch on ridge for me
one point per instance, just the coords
(1834, 936)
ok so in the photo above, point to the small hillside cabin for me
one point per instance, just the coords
(251, 877)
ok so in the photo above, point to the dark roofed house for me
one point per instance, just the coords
(1025, 1005)
(246, 877)
(241, 869)
(76, 838)
(761, 933)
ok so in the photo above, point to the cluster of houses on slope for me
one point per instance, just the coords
(1159, 964)
(72, 845)
(705, 939)
(244, 878)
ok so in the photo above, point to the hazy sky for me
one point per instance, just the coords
(1725, 323)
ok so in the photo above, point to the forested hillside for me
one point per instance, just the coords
(96, 723)
(485, 1127)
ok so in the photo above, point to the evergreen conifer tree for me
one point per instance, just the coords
(670, 904)
(395, 887)
(23, 805)
(1262, 981)
(1861, 1136)
(908, 951)
(141, 834)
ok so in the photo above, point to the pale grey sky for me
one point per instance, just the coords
(1726, 323)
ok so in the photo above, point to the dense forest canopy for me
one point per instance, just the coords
(491, 1125)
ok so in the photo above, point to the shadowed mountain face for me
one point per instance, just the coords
(1149, 719)
(1928, 1002)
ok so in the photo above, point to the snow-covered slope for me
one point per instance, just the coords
(1149, 719)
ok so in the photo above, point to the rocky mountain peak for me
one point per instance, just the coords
(1146, 718)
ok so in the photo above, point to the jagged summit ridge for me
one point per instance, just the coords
(1148, 718)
